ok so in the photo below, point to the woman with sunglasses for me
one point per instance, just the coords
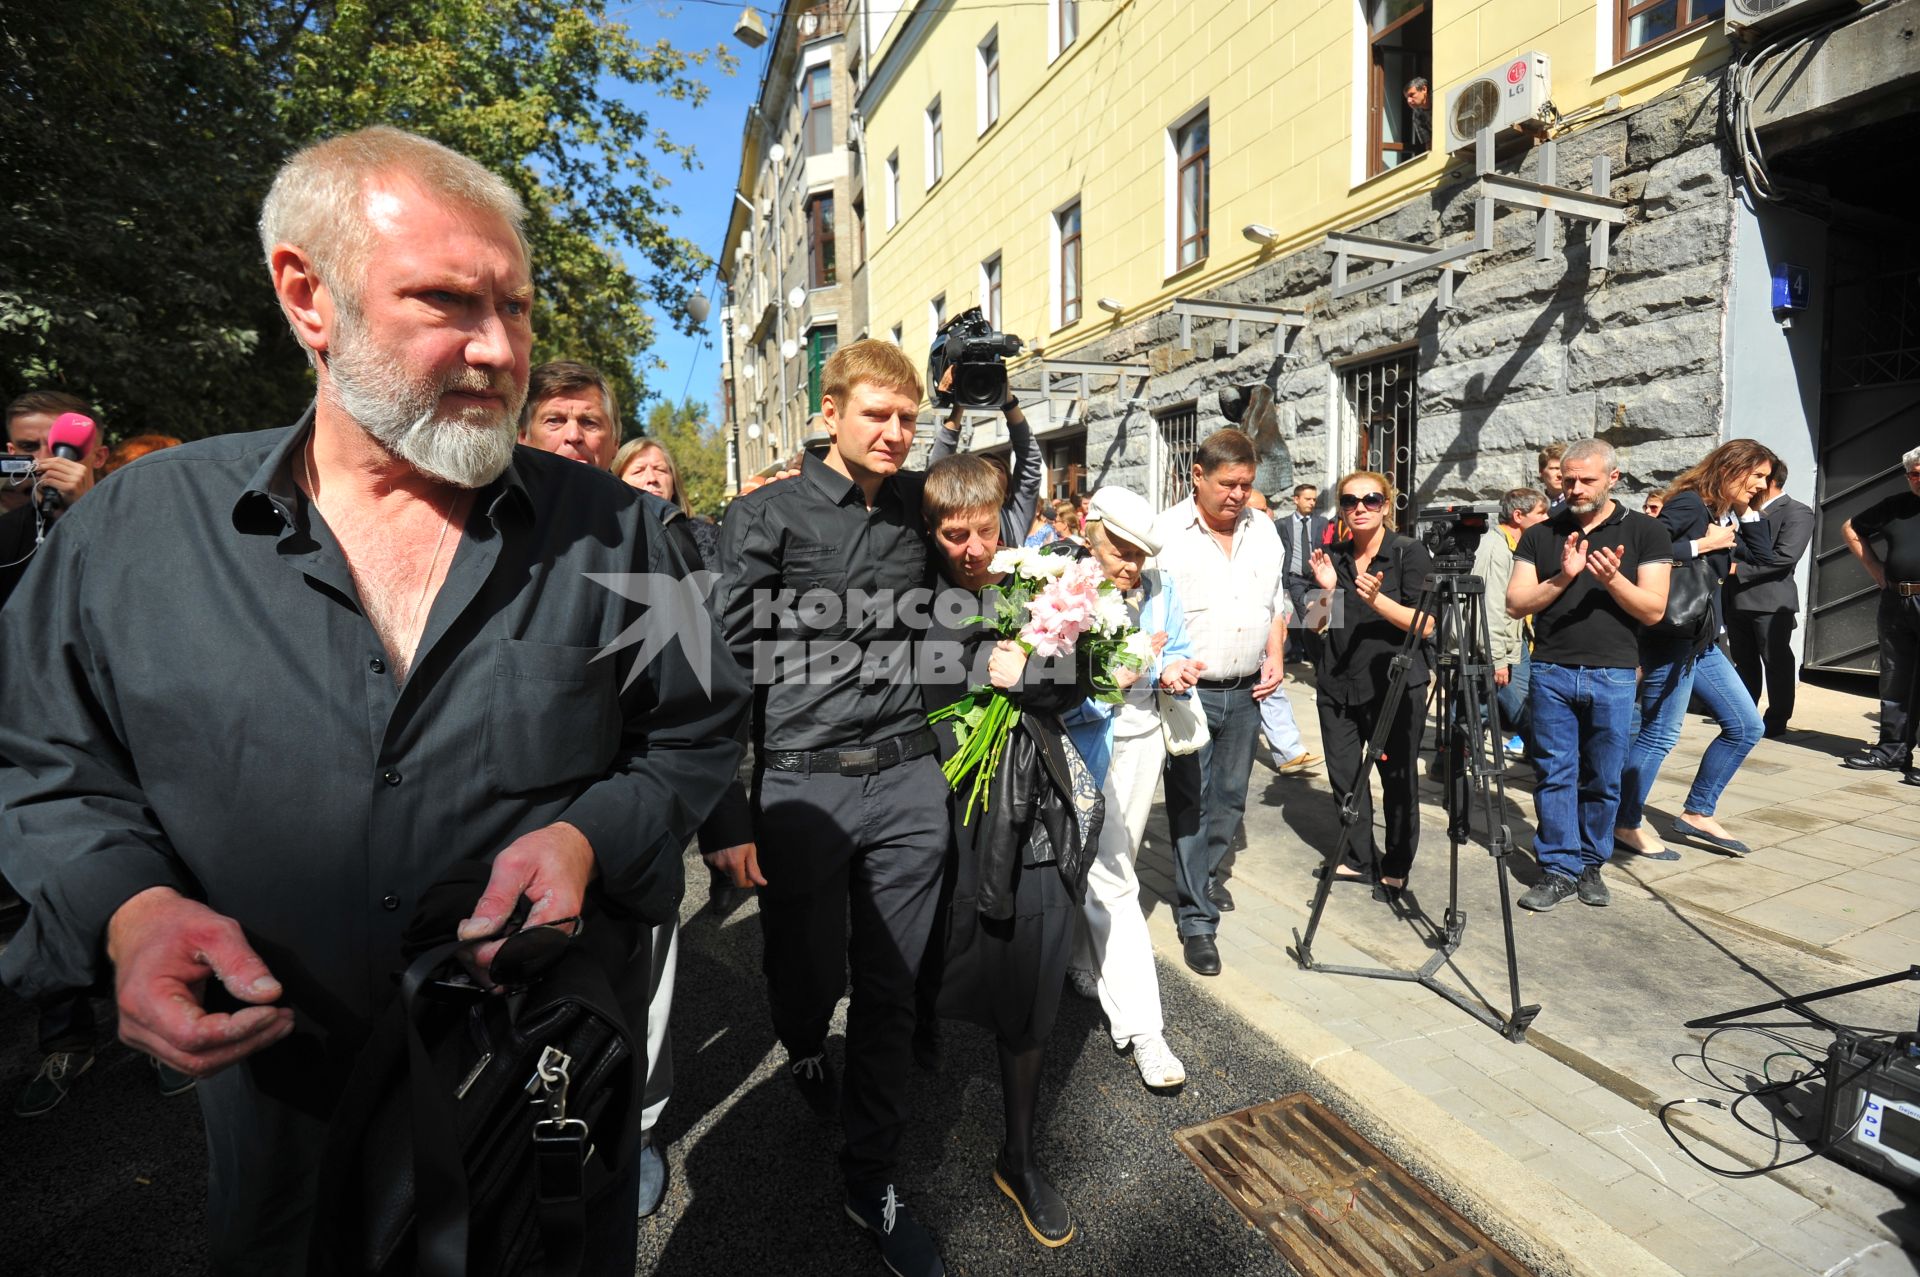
(1374, 578)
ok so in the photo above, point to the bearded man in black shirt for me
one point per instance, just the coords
(1896, 521)
(1590, 576)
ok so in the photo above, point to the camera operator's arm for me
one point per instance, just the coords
(1023, 485)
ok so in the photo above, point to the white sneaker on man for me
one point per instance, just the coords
(1159, 1067)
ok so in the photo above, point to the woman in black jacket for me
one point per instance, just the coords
(1375, 578)
(1705, 511)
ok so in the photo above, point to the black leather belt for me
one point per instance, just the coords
(1906, 589)
(1241, 684)
(853, 760)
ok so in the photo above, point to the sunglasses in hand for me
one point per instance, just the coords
(525, 954)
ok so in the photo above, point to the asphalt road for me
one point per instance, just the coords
(113, 1180)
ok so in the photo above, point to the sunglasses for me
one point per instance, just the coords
(1373, 501)
(525, 954)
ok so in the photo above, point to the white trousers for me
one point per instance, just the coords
(1112, 939)
(663, 944)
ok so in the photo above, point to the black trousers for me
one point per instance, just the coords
(1898, 624)
(1343, 736)
(1761, 644)
(1303, 638)
(853, 868)
(67, 1023)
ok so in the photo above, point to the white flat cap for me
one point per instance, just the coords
(1125, 514)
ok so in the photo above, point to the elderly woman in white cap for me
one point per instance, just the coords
(1113, 958)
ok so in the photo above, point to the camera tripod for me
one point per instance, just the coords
(1469, 765)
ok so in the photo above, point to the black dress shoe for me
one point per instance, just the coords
(1222, 899)
(1042, 1210)
(1202, 954)
(1886, 756)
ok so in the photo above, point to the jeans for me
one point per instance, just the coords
(1280, 728)
(1578, 747)
(1206, 797)
(1664, 693)
(1512, 699)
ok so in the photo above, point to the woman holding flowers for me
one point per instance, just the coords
(1374, 578)
(1020, 841)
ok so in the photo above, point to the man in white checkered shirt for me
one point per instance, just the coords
(1225, 561)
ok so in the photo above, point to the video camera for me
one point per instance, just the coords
(1452, 534)
(978, 356)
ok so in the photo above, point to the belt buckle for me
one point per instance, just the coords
(859, 760)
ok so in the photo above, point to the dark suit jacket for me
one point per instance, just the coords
(1765, 581)
(1316, 537)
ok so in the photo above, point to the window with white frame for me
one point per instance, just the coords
(1189, 187)
(987, 82)
(1066, 265)
(1063, 26)
(893, 190)
(936, 317)
(990, 290)
(936, 145)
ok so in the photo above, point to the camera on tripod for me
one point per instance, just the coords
(1452, 534)
(978, 356)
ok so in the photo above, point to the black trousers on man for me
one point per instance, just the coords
(1761, 644)
(1303, 633)
(1343, 738)
(867, 851)
(1898, 624)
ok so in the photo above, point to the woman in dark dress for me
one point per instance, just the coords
(1375, 577)
(1705, 511)
(999, 953)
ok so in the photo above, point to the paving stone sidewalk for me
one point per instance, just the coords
(1563, 1128)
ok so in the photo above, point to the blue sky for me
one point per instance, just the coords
(705, 194)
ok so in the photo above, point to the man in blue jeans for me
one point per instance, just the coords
(1590, 576)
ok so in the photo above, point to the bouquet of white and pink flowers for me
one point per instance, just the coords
(1052, 605)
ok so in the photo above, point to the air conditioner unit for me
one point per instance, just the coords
(1501, 97)
(1749, 19)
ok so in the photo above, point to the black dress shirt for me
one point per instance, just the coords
(829, 671)
(1359, 652)
(211, 711)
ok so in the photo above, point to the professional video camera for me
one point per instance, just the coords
(1452, 534)
(978, 356)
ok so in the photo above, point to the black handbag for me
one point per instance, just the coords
(475, 1127)
(1689, 614)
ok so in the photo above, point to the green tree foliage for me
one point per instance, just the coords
(137, 141)
(699, 451)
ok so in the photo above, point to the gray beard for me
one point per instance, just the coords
(468, 448)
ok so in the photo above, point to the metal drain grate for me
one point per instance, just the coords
(1332, 1204)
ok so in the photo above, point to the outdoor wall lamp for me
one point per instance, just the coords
(1262, 235)
(1110, 304)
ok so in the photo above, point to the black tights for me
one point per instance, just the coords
(1020, 1092)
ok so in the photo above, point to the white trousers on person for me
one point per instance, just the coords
(1112, 940)
(1277, 725)
(663, 944)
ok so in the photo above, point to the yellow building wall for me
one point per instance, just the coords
(1279, 80)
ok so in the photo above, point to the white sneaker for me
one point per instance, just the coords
(1084, 982)
(1159, 1067)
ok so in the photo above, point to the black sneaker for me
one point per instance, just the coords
(1548, 892)
(58, 1072)
(1886, 756)
(906, 1248)
(1591, 889)
(814, 1076)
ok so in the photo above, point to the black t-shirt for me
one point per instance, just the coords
(17, 531)
(1586, 625)
(1897, 520)
(1360, 650)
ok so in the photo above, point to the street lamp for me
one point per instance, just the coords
(1259, 234)
(1110, 304)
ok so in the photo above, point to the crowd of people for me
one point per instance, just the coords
(382, 662)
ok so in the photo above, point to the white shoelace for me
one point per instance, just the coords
(57, 1065)
(814, 1067)
(889, 1207)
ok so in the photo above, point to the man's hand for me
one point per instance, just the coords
(550, 866)
(1181, 675)
(1604, 564)
(1270, 675)
(71, 479)
(1502, 675)
(163, 947)
(741, 864)
(1573, 557)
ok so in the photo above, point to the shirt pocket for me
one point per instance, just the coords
(553, 719)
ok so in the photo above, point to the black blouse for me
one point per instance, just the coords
(1360, 643)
